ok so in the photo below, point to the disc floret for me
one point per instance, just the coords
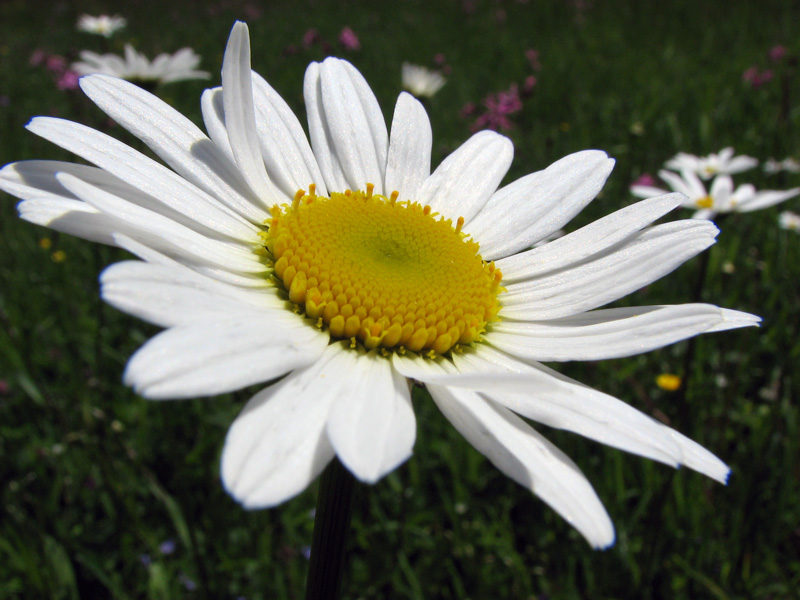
(386, 273)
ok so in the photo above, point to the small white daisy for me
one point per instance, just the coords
(165, 68)
(342, 270)
(724, 163)
(789, 220)
(788, 165)
(103, 25)
(421, 82)
(720, 198)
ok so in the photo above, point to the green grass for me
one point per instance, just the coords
(94, 477)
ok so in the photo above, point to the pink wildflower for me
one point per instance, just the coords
(498, 107)
(68, 80)
(755, 78)
(533, 59)
(252, 11)
(441, 62)
(777, 53)
(56, 64)
(508, 101)
(492, 120)
(645, 179)
(528, 85)
(467, 111)
(310, 38)
(349, 40)
(38, 56)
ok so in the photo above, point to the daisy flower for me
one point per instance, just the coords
(103, 25)
(421, 82)
(789, 165)
(343, 270)
(721, 197)
(724, 163)
(133, 66)
(789, 220)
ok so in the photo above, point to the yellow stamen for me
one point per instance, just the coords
(705, 202)
(669, 382)
(382, 273)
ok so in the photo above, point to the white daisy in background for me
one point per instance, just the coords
(789, 220)
(421, 82)
(789, 165)
(264, 266)
(103, 25)
(165, 68)
(721, 197)
(724, 163)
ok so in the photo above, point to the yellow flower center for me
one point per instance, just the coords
(668, 381)
(386, 273)
(705, 202)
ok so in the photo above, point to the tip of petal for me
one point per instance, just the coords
(733, 319)
(606, 544)
(727, 477)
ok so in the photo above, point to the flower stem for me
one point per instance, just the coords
(331, 526)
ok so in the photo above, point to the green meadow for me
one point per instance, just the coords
(106, 495)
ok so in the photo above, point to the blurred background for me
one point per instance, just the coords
(106, 495)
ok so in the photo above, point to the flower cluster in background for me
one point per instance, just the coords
(684, 173)
(497, 107)
(65, 78)
(757, 77)
(313, 42)
(132, 65)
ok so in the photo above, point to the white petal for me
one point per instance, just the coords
(533, 207)
(699, 459)
(409, 161)
(631, 265)
(278, 444)
(687, 183)
(319, 132)
(346, 125)
(529, 459)
(165, 187)
(213, 107)
(646, 191)
(611, 333)
(52, 205)
(372, 427)
(587, 241)
(176, 140)
(255, 282)
(768, 198)
(165, 234)
(240, 119)
(70, 216)
(541, 394)
(37, 179)
(172, 294)
(462, 184)
(222, 354)
(284, 147)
